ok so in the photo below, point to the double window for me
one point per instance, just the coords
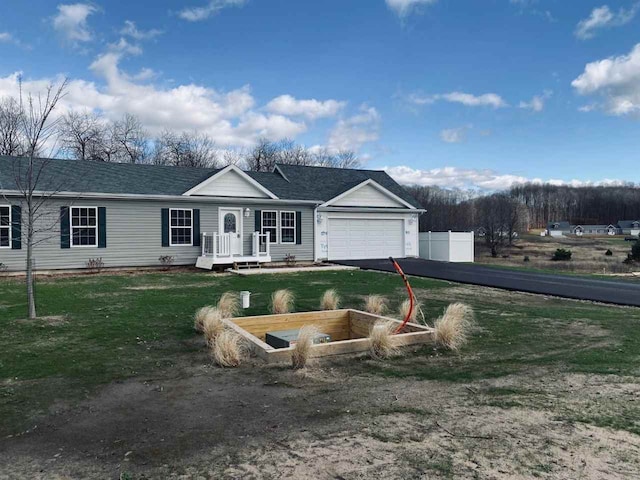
(180, 227)
(270, 224)
(287, 227)
(5, 226)
(274, 221)
(84, 226)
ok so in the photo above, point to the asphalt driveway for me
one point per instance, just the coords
(568, 286)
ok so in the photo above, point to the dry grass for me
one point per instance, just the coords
(375, 304)
(417, 311)
(228, 349)
(198, 318)
(330, 300)
(282, 301)
(452, 328)
(302, 349)
(229, 304)
(212, 326)
(380, 344)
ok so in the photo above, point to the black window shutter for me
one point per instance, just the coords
(298, 228)
(16, 224)
(258, 221)
(65, 228)
(196, 227)
(102, 227)
(165, 227)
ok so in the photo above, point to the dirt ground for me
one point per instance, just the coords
(588, 254)
(331, 421)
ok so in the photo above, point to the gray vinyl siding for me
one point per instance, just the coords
(134, 235)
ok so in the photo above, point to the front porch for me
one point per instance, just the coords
(223, 249)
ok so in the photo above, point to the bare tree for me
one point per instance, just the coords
(189, 149)
(341, 159)
(12, 141)
(39, 129)
(263, 157)
(81, 135)
(131, 139)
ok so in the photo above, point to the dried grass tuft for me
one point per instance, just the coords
(212, 326)
(198, 318)
(417, 311)
(375, 304)
(229, 305)
(380, 344)
(452, 328)
(330, 300)
(302, 349)
(228, 349)
(282, 301)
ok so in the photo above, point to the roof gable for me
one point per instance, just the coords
(368, 194)
(231, 182)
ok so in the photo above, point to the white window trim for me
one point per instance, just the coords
(71, 227)
(276, 226)
(10, 226)
(171, 244)
(295, 229)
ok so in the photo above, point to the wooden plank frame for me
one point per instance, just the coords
(356, 322)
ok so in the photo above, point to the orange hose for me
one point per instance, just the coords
(411, 296)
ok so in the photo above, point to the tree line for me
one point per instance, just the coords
(87, 135)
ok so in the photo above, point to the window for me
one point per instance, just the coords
(270, 224)
(180, 227)
(5, 226)
(287, 227)
(229, 223)
(84, 226)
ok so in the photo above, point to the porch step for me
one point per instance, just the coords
(246, 265)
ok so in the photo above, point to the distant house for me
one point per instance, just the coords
(629, 227)
(134, 215)
(623, 227)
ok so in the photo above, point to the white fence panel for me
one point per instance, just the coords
(447, 246)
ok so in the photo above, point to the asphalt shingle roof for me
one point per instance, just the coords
(301, 182)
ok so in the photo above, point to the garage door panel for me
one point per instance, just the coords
(358, 238)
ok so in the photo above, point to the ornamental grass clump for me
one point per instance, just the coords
(330, 300)
(375, 304)
(282, 301)
(302, 349)
(417, 311)
(452, 328)
(229, 305)
(200, 315)
(380, 341)
(228, 349)
(212, 326)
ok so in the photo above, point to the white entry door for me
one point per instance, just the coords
(230, 224)
(359, 238)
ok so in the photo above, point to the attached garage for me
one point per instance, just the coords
(362, 238)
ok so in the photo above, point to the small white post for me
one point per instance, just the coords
(203, 243)
(214, 243)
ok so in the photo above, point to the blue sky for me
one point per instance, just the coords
(477, 93)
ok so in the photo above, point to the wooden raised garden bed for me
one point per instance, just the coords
(348, 329)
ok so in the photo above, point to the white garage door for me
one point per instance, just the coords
(358, 238)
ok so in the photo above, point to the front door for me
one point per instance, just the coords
(231, 224)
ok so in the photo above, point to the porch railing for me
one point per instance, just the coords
(218, 245)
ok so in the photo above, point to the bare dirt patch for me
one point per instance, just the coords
(326, 422)
(49, 321)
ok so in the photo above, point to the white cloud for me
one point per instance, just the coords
(353, 132)
(311, 109)
(131, 30)
(71, 21)
(470, 178)
(5, 37)
(485, 100)
(454, 135)
(403, 8)
(603, 17)
(231, 118)
(537, 102)
(616, 80)
(196, 14)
